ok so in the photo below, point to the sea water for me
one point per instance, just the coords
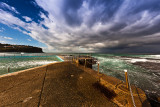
(114, 65)
(14, 62)
(110, 64)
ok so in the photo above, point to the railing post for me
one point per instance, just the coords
(8, 69)
(73, 59)
(85, 64)
(129, 87)
(98, 68)
(77, 61)
(98, 71)
(126, 77)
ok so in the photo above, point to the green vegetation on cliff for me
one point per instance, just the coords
(19, 48)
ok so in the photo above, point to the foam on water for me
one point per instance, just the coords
(134, 60)
(16, 62)
(33, 63)
(142, 78)
(138, 60)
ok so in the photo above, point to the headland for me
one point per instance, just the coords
(19, 48)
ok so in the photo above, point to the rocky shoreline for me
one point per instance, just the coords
(154, 68)
(19, 48)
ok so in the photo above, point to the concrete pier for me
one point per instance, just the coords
(114, 89)
(67, 84)
(59, 84)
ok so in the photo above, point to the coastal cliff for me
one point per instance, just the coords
(19, 48)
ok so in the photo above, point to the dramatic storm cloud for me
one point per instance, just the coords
(124, 26)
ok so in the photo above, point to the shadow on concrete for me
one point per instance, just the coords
(108, 93)
(153, 101)
(67, 85)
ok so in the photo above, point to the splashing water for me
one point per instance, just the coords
(16, 62)
(114, 65)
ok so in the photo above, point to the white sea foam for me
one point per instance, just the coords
(134, 60)
(23, 65)
(20, 63)
(28, 63)
(33, 63)
(155, 56)
(138, 60)
(2, 66)
(138, 76)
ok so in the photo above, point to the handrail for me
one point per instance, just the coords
(130, 89)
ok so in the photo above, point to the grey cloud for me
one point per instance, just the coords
(69, 11)
(107, 26)
(124, 26)
(118, 26)
(109, 8)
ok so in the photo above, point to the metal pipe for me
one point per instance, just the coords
(8, 69)
(85, 63)
(77, 61)
(126, 77)
(98, 68)
(131, 93)
(98, 72)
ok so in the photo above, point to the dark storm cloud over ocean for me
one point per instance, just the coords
(123, 26)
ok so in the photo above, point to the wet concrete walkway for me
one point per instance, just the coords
(60, 84)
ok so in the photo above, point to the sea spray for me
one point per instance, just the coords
(16, 62)
(114, 65)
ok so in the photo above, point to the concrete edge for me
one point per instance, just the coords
(17, 72)
(123, 97)
(59, 58)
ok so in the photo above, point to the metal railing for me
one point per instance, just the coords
(128, 86)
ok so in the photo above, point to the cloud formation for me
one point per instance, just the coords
(9, 38)
(93, 25)
(28, 39)
(2, 29)
(28, 19)
(8, 8)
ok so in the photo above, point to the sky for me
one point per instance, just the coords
(103, 26)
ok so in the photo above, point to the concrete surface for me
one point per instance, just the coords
(59, 84)
(117, 92)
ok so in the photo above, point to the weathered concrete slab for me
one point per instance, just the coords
(116, 90)
(70, 86)
(21, 89)
(62, 85)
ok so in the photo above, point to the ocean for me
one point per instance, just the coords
(110, 64)
(14, 62)
(146, 79)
